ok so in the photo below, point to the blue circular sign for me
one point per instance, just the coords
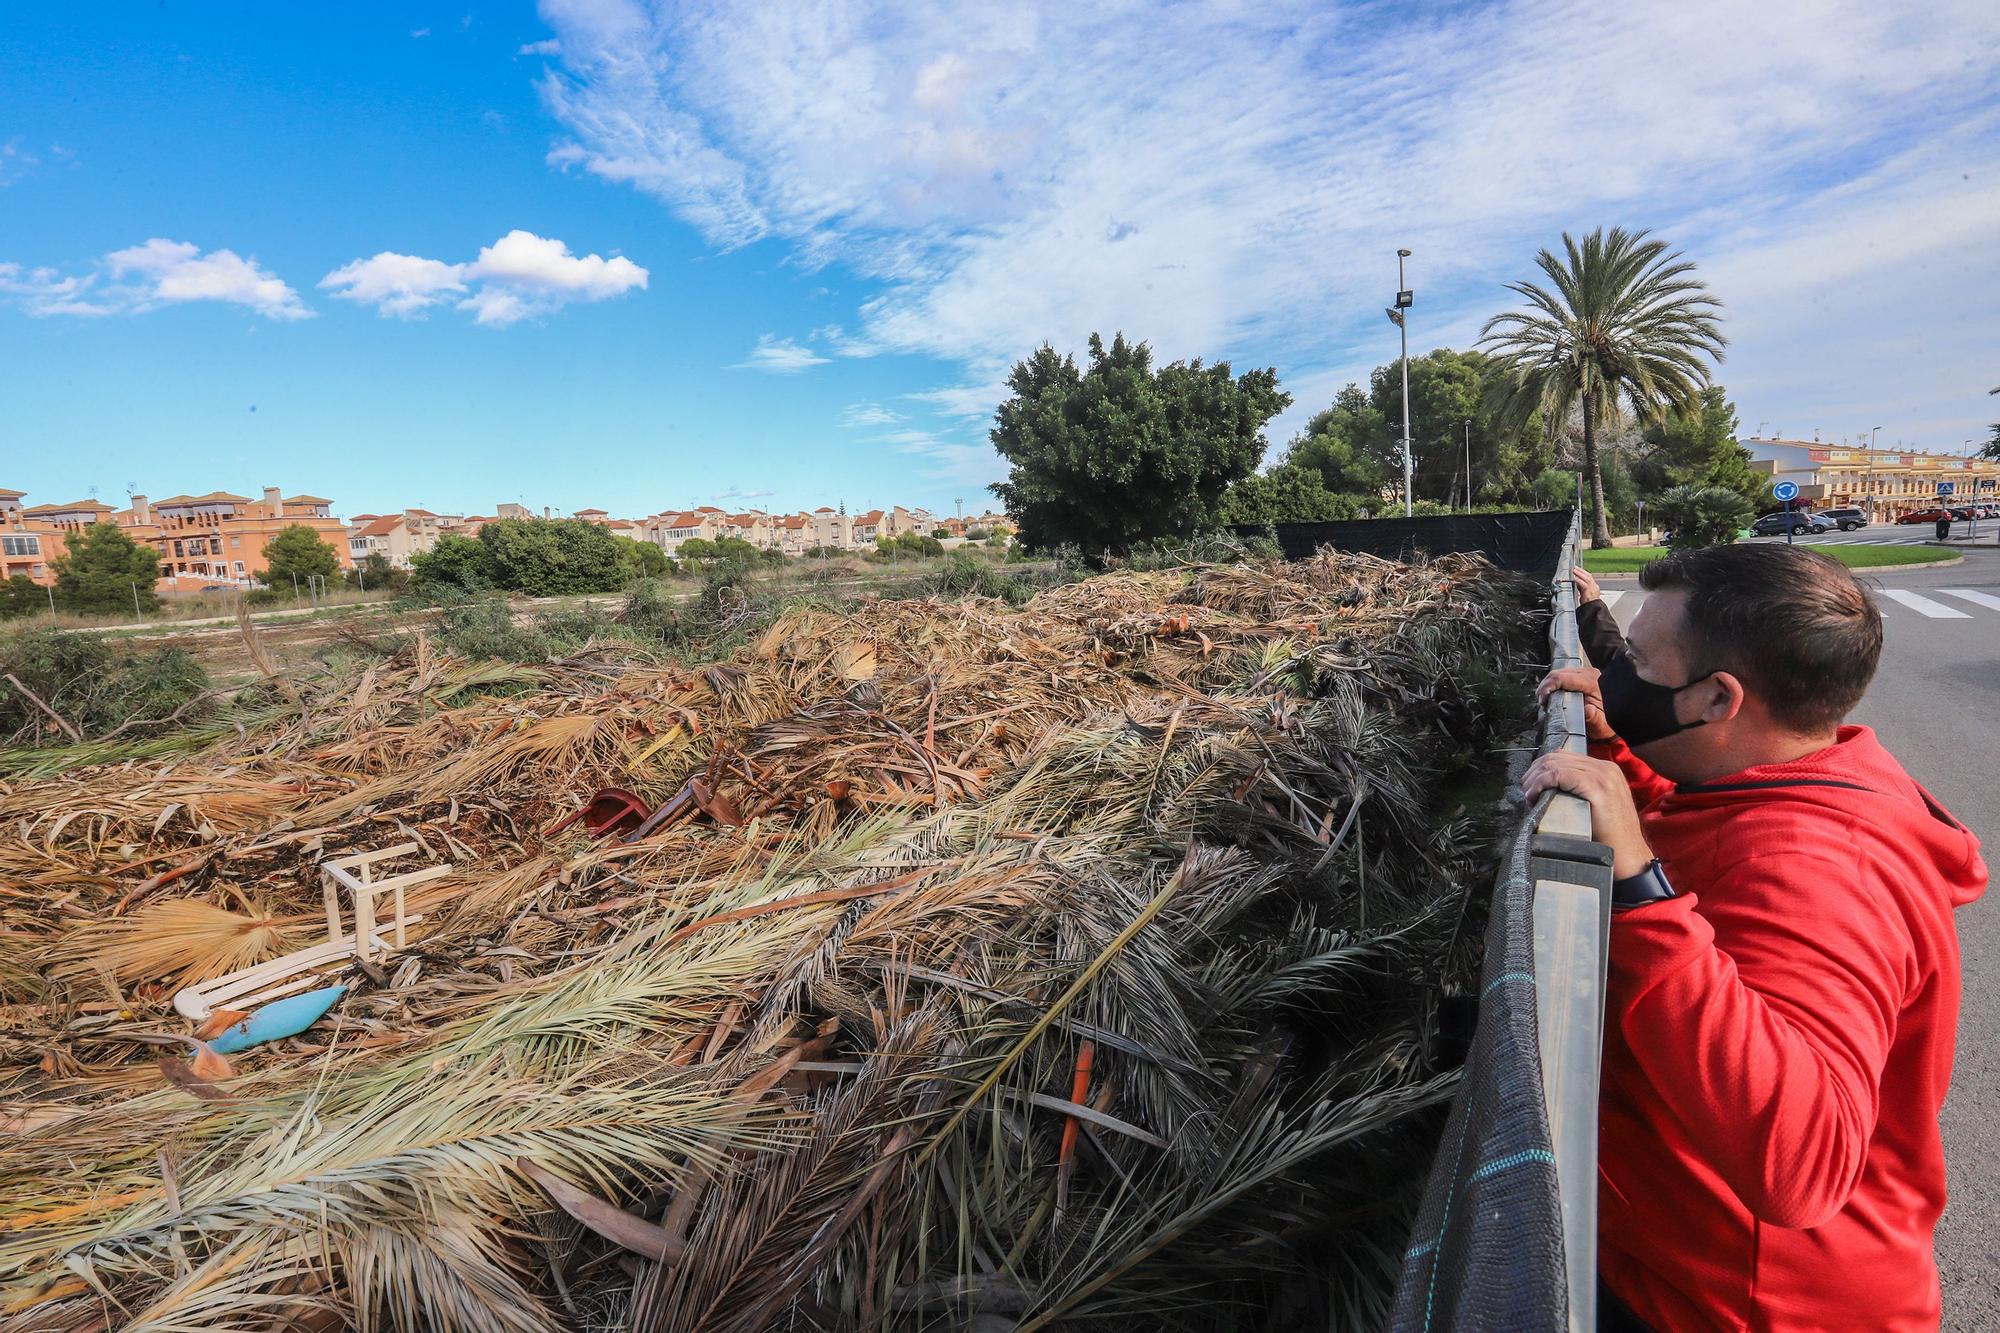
(1786, 490)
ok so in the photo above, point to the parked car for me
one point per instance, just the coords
(1925, 516)
(1965, 513)
(1847, 520)
(1776, 525)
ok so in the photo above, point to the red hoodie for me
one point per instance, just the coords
(1778, 1043)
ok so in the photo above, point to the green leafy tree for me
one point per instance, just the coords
(1698, 516)
(641, 560)
(1621, 320)
(376, 574)
(297, 552)
(1346, 444)
(1992, 446)
(21, 596)
(552, 557)
(101, 568)
(1287, 493)
(1699, 448)
(1447, 415)
(457, 561)
(1123, 453)
(909, 545)
(698, 548)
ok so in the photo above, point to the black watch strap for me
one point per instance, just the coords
(1648, 886)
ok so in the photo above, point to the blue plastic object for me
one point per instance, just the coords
(280, 1018)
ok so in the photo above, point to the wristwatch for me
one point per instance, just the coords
(1648, 886)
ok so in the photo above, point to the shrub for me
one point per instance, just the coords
(92, 686)
(457, 563)
(967, 575)
(484, 627)
(908, 546)
(376, 574)
(1699, 516)
(21, 596)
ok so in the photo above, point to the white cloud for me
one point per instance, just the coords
(420, 32)
(404, 286)
(155, 273)
(520, 276)
(869, 414)
(551, 47)
(537, 263)
(780, 356)
(16, 162)
(1234, 181)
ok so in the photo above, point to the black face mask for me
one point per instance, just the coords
(1638, 710)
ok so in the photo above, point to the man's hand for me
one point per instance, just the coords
(1586, 585)
(1584, 681)
(1614, 820)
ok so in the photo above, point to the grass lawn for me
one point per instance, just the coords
(1630, 559)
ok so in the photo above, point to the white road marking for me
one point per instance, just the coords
(1611, 597)
(1924, 606)
(1985, 599)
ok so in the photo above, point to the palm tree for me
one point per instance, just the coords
(1625, 320)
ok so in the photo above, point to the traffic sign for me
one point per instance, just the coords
(1947, 487)
(1786, 490)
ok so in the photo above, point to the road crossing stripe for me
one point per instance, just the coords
(1985, 599)
(1611, 598)
(1924, 605)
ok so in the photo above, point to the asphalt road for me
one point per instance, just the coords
(1935, 704)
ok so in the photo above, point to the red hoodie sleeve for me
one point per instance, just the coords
(1768, 1046)
(1647, 786)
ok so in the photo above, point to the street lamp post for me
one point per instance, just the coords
(1404, 299)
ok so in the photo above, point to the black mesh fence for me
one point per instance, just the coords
(1528, 541)
(1487, 1251)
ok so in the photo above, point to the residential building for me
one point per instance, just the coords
(669, 531)
(220, 537)
(32, 537)
(830, 528)
(1882, 482)
(398, 538)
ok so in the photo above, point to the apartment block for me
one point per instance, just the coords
(399, 538)
(1883, 482)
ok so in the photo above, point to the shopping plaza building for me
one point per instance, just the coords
(1883, 483)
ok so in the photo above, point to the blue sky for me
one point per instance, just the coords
(597, 252)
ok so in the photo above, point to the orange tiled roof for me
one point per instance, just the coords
(6, 494)
(307, 500)
(381, 527)
(71, 507)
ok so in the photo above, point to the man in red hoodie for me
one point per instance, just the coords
(1784, 974)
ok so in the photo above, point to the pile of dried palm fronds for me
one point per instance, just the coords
(1070, 966)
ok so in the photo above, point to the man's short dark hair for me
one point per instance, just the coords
(1791, 624)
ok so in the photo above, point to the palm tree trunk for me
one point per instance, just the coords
(1600, 531)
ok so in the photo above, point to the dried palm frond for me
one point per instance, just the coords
(822, 1033)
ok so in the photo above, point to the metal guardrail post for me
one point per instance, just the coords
(1571, 925)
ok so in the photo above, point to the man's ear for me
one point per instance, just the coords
(1724, 700)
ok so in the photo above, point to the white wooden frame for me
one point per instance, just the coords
(296, 971)
(356, 874)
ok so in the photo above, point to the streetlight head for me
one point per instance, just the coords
(1402, 254)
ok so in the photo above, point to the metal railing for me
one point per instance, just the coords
(1571, 925)
(1506, 1233)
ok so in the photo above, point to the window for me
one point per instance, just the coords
(239, 569)
(235, 542)
(21, 545)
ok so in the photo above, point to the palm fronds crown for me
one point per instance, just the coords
(1625, 319)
